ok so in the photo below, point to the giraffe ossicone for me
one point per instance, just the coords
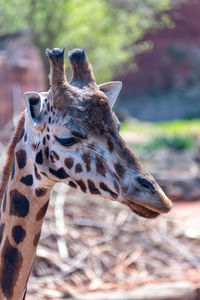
(68, 134)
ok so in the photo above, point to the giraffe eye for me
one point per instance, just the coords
(67, 142)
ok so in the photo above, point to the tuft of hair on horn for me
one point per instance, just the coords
(82, 70)
(55, 53)
(57, 66)
(77, 56)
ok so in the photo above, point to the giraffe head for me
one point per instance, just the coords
(77, 139)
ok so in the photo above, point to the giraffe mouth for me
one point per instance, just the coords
(142, 211)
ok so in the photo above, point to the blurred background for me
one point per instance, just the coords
(91, 248)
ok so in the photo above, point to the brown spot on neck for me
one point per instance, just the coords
(40, 192)
(11, 264)
(37, 175)
(21, 158)
(42, 211)
(36, 239)
(19, 204)
(18, 234)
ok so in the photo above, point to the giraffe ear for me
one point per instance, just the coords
(112, 90)
(34, 103)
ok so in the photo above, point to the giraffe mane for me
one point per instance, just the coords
(10, 154)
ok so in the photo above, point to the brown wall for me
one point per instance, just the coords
(174, 62)
(21, 70)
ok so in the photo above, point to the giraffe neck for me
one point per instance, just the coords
(23, 209)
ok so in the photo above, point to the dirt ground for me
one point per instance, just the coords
(103, 247)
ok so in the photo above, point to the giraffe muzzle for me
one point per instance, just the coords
(146, 198)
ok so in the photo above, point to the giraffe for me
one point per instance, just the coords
(71, 135)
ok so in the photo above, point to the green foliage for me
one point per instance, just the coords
(185, 127)
(12, 16)
(108, 29)
(174, 142)
(175, 135)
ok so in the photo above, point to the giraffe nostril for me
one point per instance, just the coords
(146, 183)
